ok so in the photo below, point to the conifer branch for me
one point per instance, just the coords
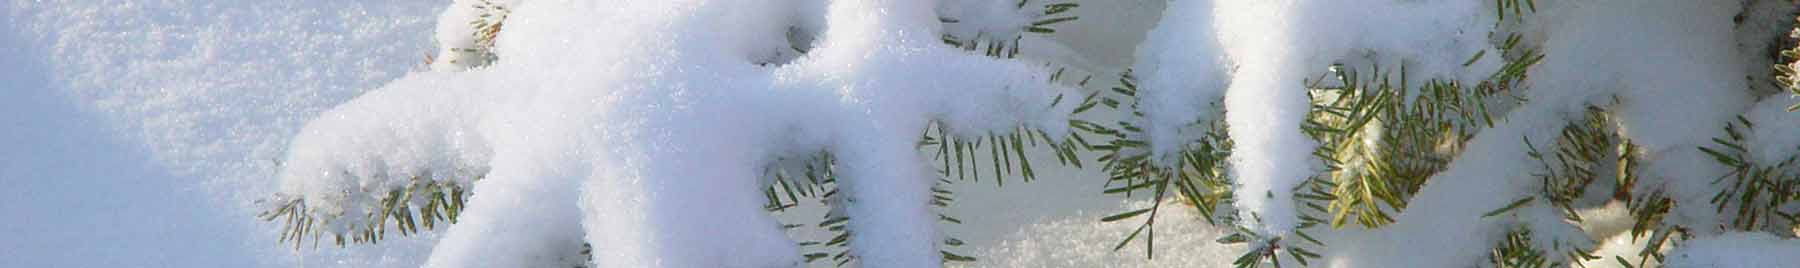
(421, 202)
(1788, 73)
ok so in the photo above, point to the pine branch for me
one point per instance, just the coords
(961, 157)
(1518, 251)
(422, 201)
(1754, 192)
(1195, 174)
(1380, 141)
(1788, 73)
(1517, 8)
(1003, 45)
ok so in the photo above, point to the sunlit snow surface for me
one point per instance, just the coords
(156, 124)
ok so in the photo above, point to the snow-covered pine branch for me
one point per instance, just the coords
(1660, 111)
(636, 141)
(1367, 133)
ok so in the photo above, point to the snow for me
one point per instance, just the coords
(1623, 246)
(458, 46)
(1664, 109)
(1453, 201)
(347, 160)
(1764, 27)
(1670, 85)
(1182, 74)
(1772, 137)
(991, 20)
(203, 96)
(132, 124)
(1735, 250)
(1256, 55)
(74, 194)
(195, 85)
(629, 120)
(1184, 240)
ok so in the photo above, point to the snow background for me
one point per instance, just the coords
(75, 193)
(141, 133)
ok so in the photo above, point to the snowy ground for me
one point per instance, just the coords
(75, 193)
